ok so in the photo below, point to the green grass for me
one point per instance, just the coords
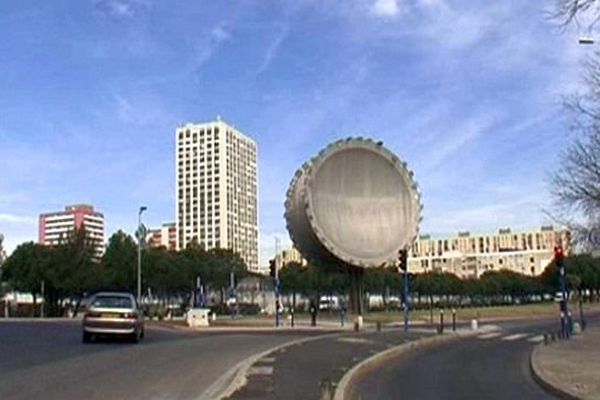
(466, 314)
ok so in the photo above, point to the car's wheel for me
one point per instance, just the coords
(86, 337)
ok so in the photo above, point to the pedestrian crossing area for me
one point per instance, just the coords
(532, 337)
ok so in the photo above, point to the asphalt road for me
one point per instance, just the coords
(487, 366)
(46, 360)
(308, 371)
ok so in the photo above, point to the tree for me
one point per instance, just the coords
(120, 262)
(26, 268)
(73, 271)
(292, 277)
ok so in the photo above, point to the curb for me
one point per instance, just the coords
(370, 362)
(541, 379)
(235, 377)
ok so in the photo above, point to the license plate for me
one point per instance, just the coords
(110, 315)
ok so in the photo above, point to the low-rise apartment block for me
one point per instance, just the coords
(467, 255)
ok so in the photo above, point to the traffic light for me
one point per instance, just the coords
(403, 260)
(272, 269)
(559, 256)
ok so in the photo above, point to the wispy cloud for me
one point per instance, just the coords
(453, 141)
(521, 213)
(273, 48)
(205, 48)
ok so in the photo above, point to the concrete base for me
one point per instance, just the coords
(197, 317)
(474, 325)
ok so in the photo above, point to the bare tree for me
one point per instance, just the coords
(578, 12)
(576, 182)
(2, 251)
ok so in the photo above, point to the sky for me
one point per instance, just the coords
(468, 93)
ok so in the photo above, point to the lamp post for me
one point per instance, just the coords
(139, 263)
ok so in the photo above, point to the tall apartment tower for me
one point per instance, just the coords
(55, 226)
(217, 189)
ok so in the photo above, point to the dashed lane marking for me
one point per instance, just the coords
(354, 340)
(516, 336)
(260, 371)
(490, 335)
(536, 339)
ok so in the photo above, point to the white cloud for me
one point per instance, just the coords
(119, 8)
(17, 219)
(385, 8)
(220, 34)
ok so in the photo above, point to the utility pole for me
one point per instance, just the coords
(43, 292)
(140, 235)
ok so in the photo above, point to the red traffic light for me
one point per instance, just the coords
(558, 253)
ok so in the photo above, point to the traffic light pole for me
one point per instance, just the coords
(403, 260)
(564, 308)
(276, 290)
(406, 302)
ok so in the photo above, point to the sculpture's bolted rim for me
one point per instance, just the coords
(308, 172)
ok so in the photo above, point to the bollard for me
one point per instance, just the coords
(546, 339)
(327, 390)
(474, 325)
(453, 320)
(378, 325)
(441, 321)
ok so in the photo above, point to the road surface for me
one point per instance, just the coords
(491, 365)
(46, 360)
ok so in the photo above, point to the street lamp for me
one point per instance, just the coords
(140, 236)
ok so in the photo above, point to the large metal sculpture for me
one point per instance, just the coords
(355, 204)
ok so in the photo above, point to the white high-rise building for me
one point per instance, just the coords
(217, 189)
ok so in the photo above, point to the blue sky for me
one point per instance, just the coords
(468, 93)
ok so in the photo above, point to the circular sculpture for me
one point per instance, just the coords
(355, 202)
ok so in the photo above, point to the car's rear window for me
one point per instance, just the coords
(112, 302)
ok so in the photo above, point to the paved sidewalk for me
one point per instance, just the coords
(570, 368)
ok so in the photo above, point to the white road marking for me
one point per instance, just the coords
(354, 340)
(536, 339)
(260, 371)
(490, 335)
(516, 336)
(267, 359)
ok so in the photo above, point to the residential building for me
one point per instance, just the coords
(469, 255)
(292, 255)
(165, 236)
(55, 226)
(217, 189)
